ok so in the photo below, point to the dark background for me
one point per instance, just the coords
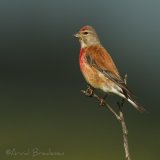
(40, 81)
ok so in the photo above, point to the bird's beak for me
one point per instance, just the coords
(77, 35)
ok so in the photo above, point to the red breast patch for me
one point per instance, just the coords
(81, 58)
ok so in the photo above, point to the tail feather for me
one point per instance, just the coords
(129, 97)
(136, 105)
(126, 94)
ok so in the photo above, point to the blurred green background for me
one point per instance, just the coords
(41, 105)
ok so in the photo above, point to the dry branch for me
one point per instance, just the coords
(119, 116)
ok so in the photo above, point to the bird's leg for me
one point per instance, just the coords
(122, 101)
(89, 91)
(102, 100)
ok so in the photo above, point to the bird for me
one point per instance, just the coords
(99, 69)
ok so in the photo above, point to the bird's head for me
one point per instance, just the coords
(87, 36)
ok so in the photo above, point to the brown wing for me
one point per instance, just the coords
(99, 58)
(102, 59)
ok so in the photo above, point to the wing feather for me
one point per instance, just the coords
(100, 59)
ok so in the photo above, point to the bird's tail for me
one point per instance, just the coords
(136, 104)
(129, 96)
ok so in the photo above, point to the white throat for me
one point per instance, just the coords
(88, 40)
(83, 45)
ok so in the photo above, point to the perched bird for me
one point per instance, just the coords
(98, 68)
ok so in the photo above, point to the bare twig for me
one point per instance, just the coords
(124, 127)
(119, 116)
(125, 133)
(104, 104)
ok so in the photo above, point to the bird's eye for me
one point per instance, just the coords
(85, 33)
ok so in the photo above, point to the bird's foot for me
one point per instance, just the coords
(121, 103)
(89, 91)
(102, 102)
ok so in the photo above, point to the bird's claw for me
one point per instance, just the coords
(102, 102)
(89, 91)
